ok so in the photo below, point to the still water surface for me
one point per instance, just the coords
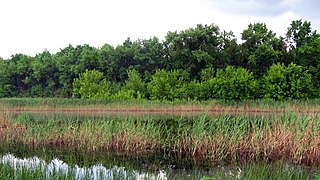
(98, 171)
(84, 166)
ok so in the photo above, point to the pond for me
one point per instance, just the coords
(22, 164)
(60, 168)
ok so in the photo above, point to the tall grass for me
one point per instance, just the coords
(217, 139)
(253, 105)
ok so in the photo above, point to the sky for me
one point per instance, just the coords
(32, 26)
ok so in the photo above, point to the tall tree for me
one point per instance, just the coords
(124, 59)
(21, 76)
(45, 75)
(150, 56)
(193, 49)
(88, 59)
(255, 35)
(66, 61)
(108, 63)
(7, 88)
(300, 33)
(261, 48)
(229, 50)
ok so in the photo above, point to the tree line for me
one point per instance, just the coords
(198, 63)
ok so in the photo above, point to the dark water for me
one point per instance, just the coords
(107, 166)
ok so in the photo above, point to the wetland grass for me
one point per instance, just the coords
(224, 138)
(180, 107)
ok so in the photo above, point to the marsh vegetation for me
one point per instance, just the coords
(254, 138)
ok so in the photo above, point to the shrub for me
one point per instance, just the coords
(231, 84)
(134, 85)
(91, 85)
(289, 82)
(193, 91)
(167, 85)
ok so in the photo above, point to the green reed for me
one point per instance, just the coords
(72, 103)
(225, 137)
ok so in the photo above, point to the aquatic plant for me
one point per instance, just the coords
(208, 138)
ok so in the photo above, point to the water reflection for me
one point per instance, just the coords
(63, 169)
(97, 172)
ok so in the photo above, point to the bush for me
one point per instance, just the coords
(193, 91)
(167, 85)
(231, 84)
(290, 82)
(135, 85)
(91, 85)
(124, 95)
(315, 78)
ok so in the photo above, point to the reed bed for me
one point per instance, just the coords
(223, 138)
(216, 106)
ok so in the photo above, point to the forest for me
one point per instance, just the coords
(199, 63)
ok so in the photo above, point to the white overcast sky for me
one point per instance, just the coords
(31, 26)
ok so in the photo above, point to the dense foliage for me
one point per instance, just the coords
(198, 63)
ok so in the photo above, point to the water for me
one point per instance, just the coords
(95, 172)
(98, 171)
(81, 166)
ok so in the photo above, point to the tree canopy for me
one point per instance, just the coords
(200, 63)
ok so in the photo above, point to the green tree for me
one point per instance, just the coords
(207, 73)
(308, 55)
(275, 81)
(205, 92)
(108, 63)
(303, 44)
(45, 75)
(20, 74)
(124, 60)
(66, 61)
(260, 48)
(194, 91)
(89, 58)
(192, 49)
(255, 35)
(300, 33)
(229, 51)
(150, 56)
(315, 73)
(262, 58)
(6, 85)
